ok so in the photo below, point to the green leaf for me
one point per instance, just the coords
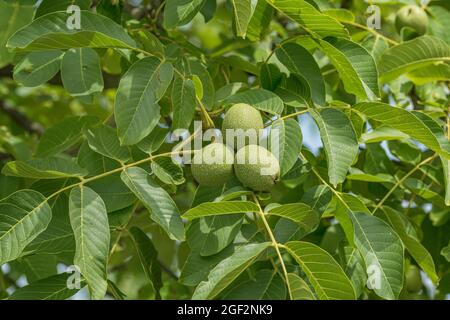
(417, 125)
(51, 288)
(163, 209)
(89, 222)
(148, 256)
(243, 11)
(197, 267)
(430, 73)
(445, 168)
(260, 21)
(359, 175)
(266, 285)
(37, 68)
(286, 141)
(104, 140)
(414, 247)
(58, 236)
(51, 32)
(167, 170)
(94, 162)
(339, 140)
(299, 288)
(46, 168)
(438, 23)
(324, 273)
(347, 205)
(23, 216)
(62, 135)
(183, 103)
(195, 67)
(227, 270)
(294, 91)
(261, 99)
(208, 10)
(136, 108)
(220, 208)
(180, 12)
(299, 61)
(411, 55)
(382, 251)
(446, 252)
(383, 133)
(299, 213)
(210, 235)
(13, 16)
(113, 191)
(354, 268)
(48, 6)
(198, 87)
(310, 18)
(154, 140)
(355, 65)
(342, 15)
(80, 72)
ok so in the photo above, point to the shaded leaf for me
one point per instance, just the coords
(163, 209)
(51, 288)
(267, 285)
(37, 68)
(148, 256)
(228, 269)
(299, 288)
(104, 140)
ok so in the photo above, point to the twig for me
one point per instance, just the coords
(399, 182)
(274, 244)
(21, 119)
(373, 31)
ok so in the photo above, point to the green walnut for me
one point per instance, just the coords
(213, 165)
(413, 279)
(245, 122)
(256, 168)
(412, 16)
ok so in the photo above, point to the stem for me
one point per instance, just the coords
(119, 236)
(373, 31)
(208, 122)
(158, 11)
(123, 167)
(274, 243)
(399, 182)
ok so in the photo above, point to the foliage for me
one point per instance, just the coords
(88, 181)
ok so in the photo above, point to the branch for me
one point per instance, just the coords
(274, 244)
(21, 119)
(5, 156)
